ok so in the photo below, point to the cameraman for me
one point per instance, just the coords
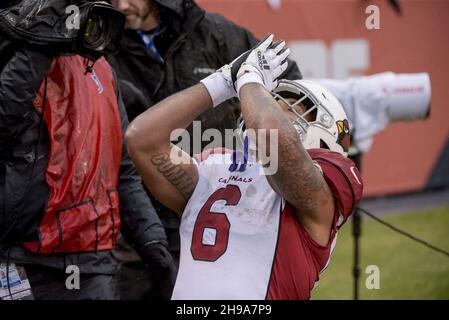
(66, 181)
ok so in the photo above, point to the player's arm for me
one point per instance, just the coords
(148, 142)
(297, 179)
(148, 136)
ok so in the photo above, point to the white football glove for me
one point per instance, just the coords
(221, 83)
(264, 64)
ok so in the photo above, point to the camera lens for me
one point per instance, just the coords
(96, 34)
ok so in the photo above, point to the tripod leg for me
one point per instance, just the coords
(356, 230)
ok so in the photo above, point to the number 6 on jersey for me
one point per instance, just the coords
(217, 221)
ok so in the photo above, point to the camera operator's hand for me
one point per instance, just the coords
(264, 64)
(158, 259)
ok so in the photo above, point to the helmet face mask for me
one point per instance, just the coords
(327, 126)
(312, 105)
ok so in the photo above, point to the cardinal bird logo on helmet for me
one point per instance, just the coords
(343, 134)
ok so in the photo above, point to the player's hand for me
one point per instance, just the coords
(221, 84)
(158, 259)
(264, 64)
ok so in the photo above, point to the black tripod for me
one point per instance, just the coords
(356, 231)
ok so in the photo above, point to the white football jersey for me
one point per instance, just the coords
(229, 225)
(240, 240)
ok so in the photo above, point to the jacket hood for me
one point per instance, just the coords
(177, 6)
(182, 9)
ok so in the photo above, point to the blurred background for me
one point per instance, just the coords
(406, 170)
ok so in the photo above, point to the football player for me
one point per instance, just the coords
(247, 235)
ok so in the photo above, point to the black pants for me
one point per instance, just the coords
(50, 284)
(136, 282)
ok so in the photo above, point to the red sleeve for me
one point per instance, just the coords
(346, 185)
(343, 178)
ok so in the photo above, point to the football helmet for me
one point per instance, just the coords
(328, 127)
